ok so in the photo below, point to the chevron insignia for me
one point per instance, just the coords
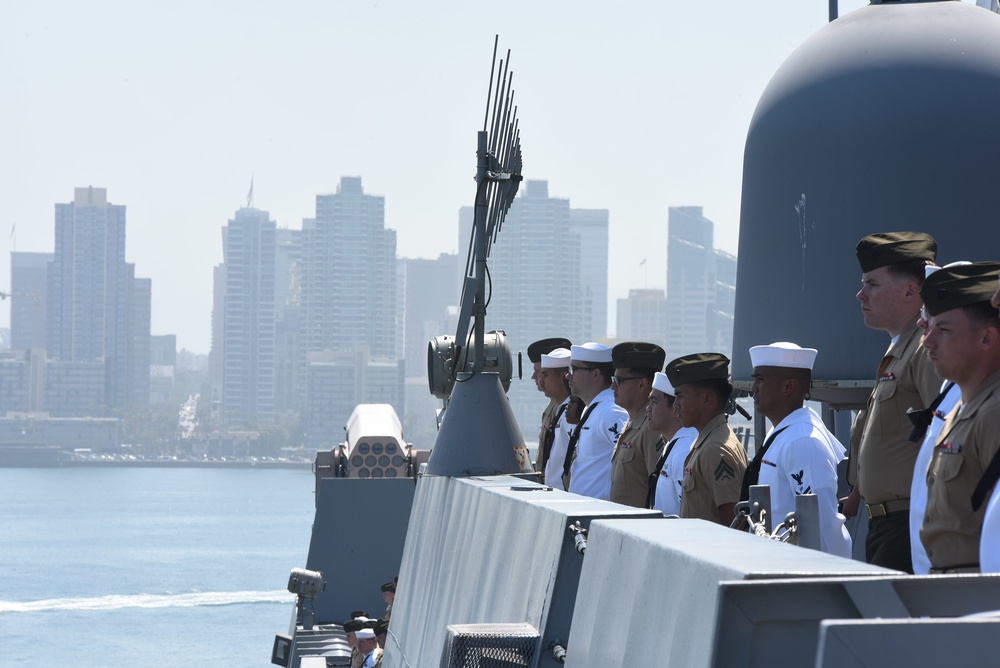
(724, 471)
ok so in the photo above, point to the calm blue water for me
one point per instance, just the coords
(142, 567)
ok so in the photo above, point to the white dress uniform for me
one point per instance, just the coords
(668, 483)
(989, 541)
(918, 489)
(803, 459)
(557, 454)
(590, 474)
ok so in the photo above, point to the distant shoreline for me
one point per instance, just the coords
(158, 464)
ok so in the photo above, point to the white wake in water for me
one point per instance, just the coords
(115, 602)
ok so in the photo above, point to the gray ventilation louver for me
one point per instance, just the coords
(489, 646)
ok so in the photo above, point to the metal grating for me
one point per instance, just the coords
(489, 646)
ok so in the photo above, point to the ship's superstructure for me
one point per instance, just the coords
(857, 132)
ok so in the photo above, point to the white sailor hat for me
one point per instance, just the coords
(557, 359)
(662, 383)
(783, 354)
(930, 269)
(591, 352)
(365, 633)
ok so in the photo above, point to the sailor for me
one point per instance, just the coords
(882, 457)
(929, 424)
(989, 543)
(369, 649)
(535, 352)
(351, 627)
(714, 468)
(636, 449)
(963, 344)
(593, 439)
(388, 595)
(799, 455)
(555, 438)
(664, 487)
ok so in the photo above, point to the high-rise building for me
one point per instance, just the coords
(591, 228)
(429, 293)
(700, 286)
(287, 320)
(29, 288)
(137, 343)
(162, 367)
(429, 289)
(549, 272)
(643, 317)
(348, 272)
(247, 341)
(88, 290)
(337, 382)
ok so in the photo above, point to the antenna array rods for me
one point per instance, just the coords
(503, 146)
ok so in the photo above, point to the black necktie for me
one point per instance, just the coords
(575, 436)
(550, 433)
(651, 490)
(752, 474)
(986, 483)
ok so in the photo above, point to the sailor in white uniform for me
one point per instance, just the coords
(593, 440)
(554, 366)
(989, 541)
(799, 455)
(668, 476)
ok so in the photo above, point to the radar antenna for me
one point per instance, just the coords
(478, 434)
(498, 176)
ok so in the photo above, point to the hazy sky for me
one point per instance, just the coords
(631, 107)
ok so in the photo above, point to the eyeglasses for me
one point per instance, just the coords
(574, 369)
(616, 381)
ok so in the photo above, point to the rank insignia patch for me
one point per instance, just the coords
(724, 471)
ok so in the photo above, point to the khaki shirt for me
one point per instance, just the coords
(633, 460)
(883, 462)
(713, 472)
(967, 442)
(541, 457)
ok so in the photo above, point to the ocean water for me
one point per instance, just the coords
(147, 566)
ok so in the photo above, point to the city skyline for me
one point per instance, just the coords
(626, 111)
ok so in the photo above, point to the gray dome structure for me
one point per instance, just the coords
(884, 120)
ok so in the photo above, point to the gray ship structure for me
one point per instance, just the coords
(880, 121)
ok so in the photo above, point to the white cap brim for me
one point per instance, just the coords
(783, 354)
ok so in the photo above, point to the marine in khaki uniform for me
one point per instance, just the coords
(881, 464)
(963, 344)
(715, 466)
(638, 446)
(535, 352)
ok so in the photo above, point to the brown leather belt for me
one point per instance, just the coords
(883, 509)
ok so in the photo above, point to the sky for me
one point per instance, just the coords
(175, 107)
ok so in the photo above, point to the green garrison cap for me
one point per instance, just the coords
(636, 354)
(885, 248)
(698, 367)
(960, 285)
(546, 346)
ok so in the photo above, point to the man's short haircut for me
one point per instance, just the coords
(607, 370)
(722, 389)
(982, 314)
(911, 270)
(644, 371)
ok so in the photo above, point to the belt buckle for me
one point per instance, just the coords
(876, 510)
